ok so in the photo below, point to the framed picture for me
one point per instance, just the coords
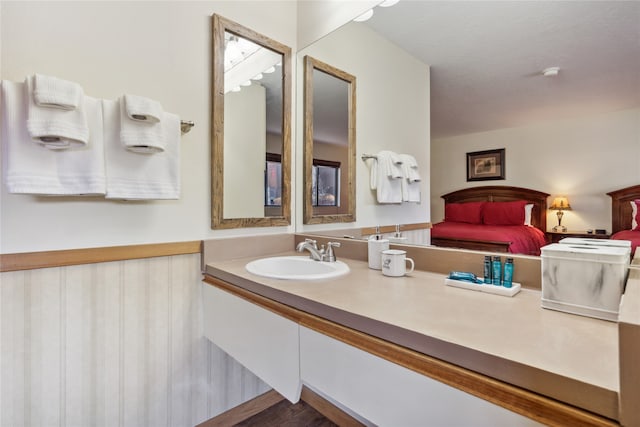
(485, 165)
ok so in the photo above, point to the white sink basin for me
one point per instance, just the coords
(296, 268)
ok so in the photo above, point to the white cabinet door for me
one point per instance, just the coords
(388, 394)
(265, 343)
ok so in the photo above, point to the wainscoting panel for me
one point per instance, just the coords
(112, 344)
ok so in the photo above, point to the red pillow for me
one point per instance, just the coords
(504, 213)
(470, 212)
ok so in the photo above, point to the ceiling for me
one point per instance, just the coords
(487, 57)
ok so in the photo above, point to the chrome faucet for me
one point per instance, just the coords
(311, 246)
(316, 254)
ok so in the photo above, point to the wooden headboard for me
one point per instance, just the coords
(502, 193)
(621, 208)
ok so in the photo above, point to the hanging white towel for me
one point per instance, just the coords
(140, 136)
(411, 179)
(136, 176)
(53, 92)
(55, 128)
(388, 175)
(142, 109)
(33, 169)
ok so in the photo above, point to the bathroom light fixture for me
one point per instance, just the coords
(247, 83)
(257, 77)
(269, 70)
(388, 3)
(551, 71)
(365, 16)
(560, 204)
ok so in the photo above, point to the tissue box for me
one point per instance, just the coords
(584, 279)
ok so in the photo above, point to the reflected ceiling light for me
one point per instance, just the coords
(388, 3)
(551, 71)
(257, 77)
(236, 89)
(247, 83)
(269, 70)
(365, 16)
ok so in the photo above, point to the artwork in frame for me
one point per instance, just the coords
(485, 165)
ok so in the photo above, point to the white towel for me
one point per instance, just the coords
(140, 136)
(53, 92)
(411, 179)
(142, 109)
(388, 177)
(33, 169)
(136, 176)
(55, 128)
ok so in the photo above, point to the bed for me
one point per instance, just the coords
(621, 215)
(477, 230)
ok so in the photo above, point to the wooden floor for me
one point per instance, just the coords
(286, 413)
(272, 409)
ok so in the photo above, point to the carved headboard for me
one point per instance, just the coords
(621, 208)
(502, 193)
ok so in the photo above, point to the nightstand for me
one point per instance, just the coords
(556, 236)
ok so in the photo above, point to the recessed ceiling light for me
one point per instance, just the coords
(551, 71)
(365, 16)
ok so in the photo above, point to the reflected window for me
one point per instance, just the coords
(325, 185)
(273, 180)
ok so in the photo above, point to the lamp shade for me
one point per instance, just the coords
(560, 204)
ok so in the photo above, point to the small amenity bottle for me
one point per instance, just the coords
(497, 271)
(487, 269)
(508, 273)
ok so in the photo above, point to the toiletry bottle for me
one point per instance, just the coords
(497, 271)
(508, 273)
(487, 269)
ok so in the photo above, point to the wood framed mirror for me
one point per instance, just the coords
(250, 128)
(329, 143)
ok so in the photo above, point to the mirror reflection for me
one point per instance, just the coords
(251, 136)
(329, 122)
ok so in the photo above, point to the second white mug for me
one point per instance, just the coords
(394, 263)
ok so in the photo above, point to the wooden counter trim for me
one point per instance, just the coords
(537, 407)
(365, 231)
(47, 259)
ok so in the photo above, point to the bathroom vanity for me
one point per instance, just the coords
(407, 349)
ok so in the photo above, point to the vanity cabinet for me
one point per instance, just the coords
(286, 354)
(262, 341)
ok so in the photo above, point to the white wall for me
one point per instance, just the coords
(392, 103)
(581, 158)
(161, 50)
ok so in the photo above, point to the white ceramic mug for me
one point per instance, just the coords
(394, 263)
(375, 252)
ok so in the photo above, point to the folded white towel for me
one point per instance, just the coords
(33, 169)
(142, 109)
(140, 136)
(53, 127)
(137, 176)
(411, 179)
(388, 177)
(53, 92)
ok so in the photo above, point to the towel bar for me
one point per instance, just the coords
(366, 157)
(185, 126)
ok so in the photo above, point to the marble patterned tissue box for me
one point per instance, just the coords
(584, 279)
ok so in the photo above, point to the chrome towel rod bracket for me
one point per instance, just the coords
(366, 157)
(185, 126)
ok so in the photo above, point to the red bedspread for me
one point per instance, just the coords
(524, 239)
(632, 236)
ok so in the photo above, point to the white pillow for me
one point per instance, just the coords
(634, 214)
(527, 213)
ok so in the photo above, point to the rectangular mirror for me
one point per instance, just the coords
(329, 143)
(251, 128)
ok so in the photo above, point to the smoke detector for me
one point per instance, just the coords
(550, 72)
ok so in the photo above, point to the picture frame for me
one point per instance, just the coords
(486, 165)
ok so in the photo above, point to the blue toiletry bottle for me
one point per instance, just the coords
(508, 273)
(497, 271)
(487, 269)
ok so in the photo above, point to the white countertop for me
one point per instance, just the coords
(568, 357)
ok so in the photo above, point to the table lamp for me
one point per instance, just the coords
(560, 204)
